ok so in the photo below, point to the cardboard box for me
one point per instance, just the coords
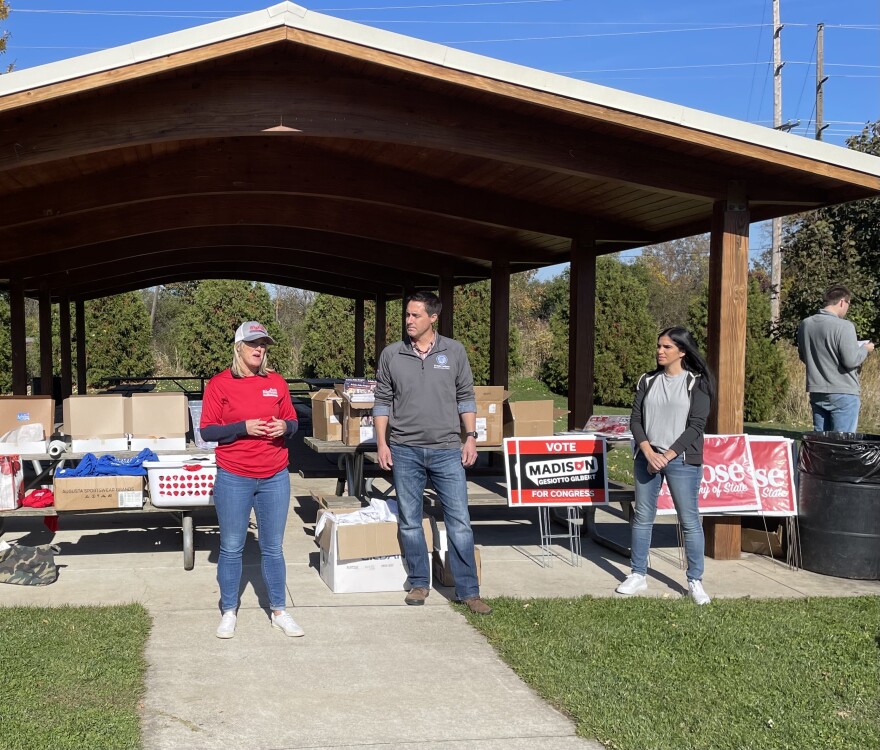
(440, 556)
(158, 444)
(756, 541)
(156, 415)
(327, 415)
(16, 411)
(101, 416)
(530, 418)
(364, 557)
(357, 423)
(98, 493)
(443, 573)
(98, 445)
(490, 413)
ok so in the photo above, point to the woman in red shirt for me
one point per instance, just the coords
(247, 410)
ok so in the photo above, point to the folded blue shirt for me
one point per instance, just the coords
(109, 466)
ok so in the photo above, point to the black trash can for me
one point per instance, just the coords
(840, 504)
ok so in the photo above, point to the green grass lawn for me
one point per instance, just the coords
(72, 677)
(646, 673)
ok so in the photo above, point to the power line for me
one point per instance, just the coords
(613, 34)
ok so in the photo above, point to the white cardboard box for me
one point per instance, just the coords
(98, 445)
(158, 443)
(348, 563)
(25, 447)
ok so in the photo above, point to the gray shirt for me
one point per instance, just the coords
(665, 410)
(828, 346)
(424, 398)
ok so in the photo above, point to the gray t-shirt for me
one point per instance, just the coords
(666, 409)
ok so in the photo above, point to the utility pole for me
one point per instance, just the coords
(776, 234)
(820, 80)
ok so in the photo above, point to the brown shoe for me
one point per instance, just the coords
(417, 596)
(478, 606)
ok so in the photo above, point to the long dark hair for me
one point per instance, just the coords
(693, 361)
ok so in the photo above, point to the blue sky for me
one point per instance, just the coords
(710, 56)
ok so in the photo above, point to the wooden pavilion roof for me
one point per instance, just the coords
(294, 148)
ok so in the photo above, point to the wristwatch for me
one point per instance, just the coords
(473, 434)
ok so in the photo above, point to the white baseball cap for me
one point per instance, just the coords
(251, 331)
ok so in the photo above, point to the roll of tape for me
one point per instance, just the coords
(56, 448)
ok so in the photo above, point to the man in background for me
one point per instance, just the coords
(828, 346)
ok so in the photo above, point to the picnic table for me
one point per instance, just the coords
(45, 466)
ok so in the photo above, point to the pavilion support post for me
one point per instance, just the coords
(79, 309)
(18, 338)
(45, 318)
(359, 321)
(380, 325)
(65, 341)
(581, 330)
(447, 293)
(499, 325)
(728, 298)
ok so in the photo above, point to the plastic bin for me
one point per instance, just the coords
(839, 516)
(181, 481)
(195, 418)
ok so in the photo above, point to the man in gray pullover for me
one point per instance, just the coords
(828, 346)
(424, 397)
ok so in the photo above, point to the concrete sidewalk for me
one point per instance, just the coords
(370, 671)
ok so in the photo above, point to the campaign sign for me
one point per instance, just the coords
(728, 478)
(774, 475)
(562, 470)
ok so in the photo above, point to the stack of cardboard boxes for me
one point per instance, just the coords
(497, 418)
(358, 399)
(110, 423)
(327, 415)
(36, 414)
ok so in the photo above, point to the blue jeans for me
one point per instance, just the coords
(835, 412)
(234, 497)
(412, 467)
(683, 481)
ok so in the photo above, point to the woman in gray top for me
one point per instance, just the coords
(668, 421)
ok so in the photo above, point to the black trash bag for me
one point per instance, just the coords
(29, 566)
(841, 456)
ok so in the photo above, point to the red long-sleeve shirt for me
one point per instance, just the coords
(229, 400)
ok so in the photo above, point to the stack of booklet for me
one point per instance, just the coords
(359, 390)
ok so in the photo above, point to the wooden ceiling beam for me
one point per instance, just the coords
(315, 101)
(281, 240)
(340, 286)
(235, 258)
(248, 167)
(357, 220)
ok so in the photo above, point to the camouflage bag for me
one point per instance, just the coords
(28, 566)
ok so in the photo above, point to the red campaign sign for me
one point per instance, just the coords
(562, 470)
(774, 475)
(728, 478)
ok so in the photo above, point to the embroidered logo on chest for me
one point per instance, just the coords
(441, 362)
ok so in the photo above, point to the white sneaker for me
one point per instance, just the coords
(633, 584)
(226, 628)
(697, 594)
(286, 623)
